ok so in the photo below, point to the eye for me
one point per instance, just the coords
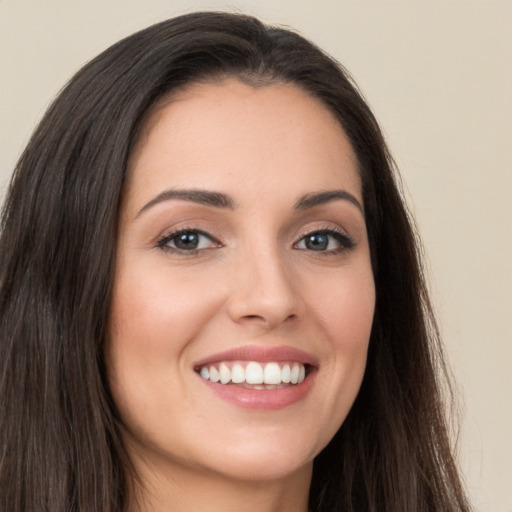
(326, 240)
(187, 241)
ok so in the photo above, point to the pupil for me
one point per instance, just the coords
(317, 242)
(187, 241)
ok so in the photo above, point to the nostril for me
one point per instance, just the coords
(265, 319)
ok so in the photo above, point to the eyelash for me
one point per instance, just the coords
(346, 243)
(163, 243)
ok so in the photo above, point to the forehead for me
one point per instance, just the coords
(221, 132)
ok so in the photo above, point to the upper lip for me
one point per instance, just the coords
(260, 354)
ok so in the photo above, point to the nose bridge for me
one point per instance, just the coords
(263, 290)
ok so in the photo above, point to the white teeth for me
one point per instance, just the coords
(254, 373)
(286, 374)
(294, 378)
(225, 374)
(257, 375)
(214, 374)
(272, 374)
(237, 374)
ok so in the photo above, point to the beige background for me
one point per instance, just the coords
(438, 75)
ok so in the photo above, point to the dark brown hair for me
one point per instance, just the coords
(60, 448)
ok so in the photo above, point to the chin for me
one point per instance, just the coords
(265, 454)
(262, 467)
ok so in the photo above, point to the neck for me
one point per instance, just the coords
(157, 490)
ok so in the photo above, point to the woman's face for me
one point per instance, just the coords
(242, 256)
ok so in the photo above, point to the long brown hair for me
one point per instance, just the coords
(60, 448)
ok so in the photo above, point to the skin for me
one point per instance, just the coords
(253, 282)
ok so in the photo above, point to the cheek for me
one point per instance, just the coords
(151, 307)
(345, 306)
(155, 316)
(344, 309)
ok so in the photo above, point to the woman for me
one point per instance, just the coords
(211, 293)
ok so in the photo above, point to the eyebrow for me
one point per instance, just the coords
(215, 199)
(320, 198)
(221, 200)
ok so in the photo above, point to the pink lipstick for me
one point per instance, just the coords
(258, 377)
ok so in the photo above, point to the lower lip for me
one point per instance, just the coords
(264, 399)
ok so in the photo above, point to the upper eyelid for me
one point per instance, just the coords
(163, 241)
(170, 233)
(306, 232)
(322, 229)
(344, 238)
(218, 237)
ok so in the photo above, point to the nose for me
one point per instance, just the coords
(264, 291)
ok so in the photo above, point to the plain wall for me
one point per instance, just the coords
(438, 75)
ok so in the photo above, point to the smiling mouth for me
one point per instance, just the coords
(255, 375)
